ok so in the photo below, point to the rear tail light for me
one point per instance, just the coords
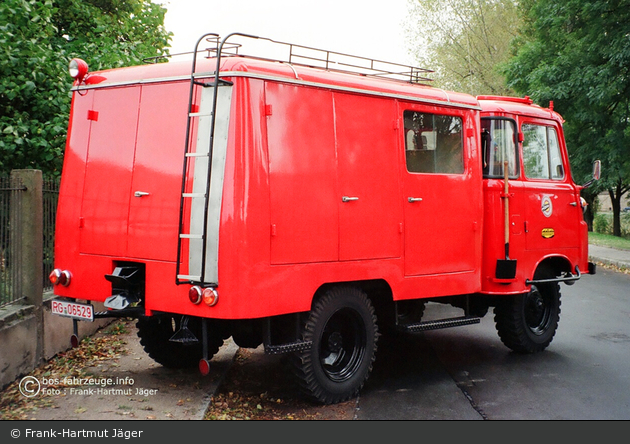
(60, 277)
(210, 296)
(195, 294)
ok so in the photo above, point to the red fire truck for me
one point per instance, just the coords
(309, 203)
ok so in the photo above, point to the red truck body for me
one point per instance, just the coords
(251, 201)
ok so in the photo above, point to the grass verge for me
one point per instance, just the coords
(606, 240)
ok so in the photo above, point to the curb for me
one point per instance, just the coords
(613, 263)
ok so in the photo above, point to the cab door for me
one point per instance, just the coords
(553, 207)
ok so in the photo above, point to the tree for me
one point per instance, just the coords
(464, 42)
(577, 53)
(37, 40)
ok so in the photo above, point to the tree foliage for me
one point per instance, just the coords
(464, 42)
(577, 53)
(37, 40)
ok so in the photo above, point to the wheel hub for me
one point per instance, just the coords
(335, 342)
(536, 311)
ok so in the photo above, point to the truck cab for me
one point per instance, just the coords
(546, 228)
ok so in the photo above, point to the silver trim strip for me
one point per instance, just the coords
(130, 82)
(446, 102)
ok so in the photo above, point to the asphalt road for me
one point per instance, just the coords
(462, 373)
(466, 373)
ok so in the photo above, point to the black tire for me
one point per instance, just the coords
(527, 323)
(155, 334)
(342, 326)
(410, 311)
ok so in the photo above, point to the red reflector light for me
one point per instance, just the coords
(195, 294)
(204, 367)
(210, 296)
(60, 277)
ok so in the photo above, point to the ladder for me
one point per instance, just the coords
(195, 190)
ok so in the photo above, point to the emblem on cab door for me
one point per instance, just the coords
(548, 233)
(545, 206)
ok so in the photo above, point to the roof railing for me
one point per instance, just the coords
(300, 55)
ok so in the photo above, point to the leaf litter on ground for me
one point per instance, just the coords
(72, 363)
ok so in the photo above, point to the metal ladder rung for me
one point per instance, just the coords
(189, 278)
(194, 195)
(199, 114)
(196, 154)
(190, 236)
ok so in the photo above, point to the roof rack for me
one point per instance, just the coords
(321, 58)
(313, 57)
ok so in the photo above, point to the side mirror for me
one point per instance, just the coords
(597, 171)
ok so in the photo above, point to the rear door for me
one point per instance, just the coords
(156, 183)
(442, 195)
(107, 188)
(133, 174)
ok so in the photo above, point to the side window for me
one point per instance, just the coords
(433, 143)
(541, 153)
(499, 145)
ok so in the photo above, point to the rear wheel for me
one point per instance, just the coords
(527, 323)
(342, 327)
(155, 334)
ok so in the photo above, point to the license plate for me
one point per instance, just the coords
(73, 310)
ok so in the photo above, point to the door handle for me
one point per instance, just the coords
(414, 199)
(348, 199)
(573, 204)
(140, 193)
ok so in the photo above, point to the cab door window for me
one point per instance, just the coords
(541, 153)
(498, 137)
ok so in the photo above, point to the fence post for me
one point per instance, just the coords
(30, 246)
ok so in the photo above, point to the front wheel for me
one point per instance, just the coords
(342, 327)
(527, 323)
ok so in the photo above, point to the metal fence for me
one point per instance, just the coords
(10, 257)
(50, 196)
(11, 191)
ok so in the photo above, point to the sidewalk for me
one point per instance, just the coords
(609, 256)
(131, 387)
